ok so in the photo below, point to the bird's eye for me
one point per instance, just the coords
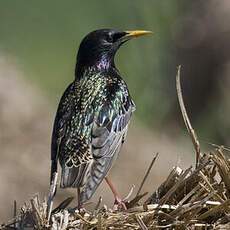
(118, 35)
(113, 37)
(109, 38)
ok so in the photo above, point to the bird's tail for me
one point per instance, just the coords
(73, 176)
(100, 168)
(95, 176)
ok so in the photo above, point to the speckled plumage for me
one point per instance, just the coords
(90, 125)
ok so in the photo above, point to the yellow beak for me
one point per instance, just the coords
(136, 33)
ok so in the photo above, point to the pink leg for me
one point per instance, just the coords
(118, 200)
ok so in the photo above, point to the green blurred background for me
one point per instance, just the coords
(44, 37)
(38, 45)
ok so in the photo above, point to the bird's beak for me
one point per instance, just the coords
(133, 34)
(136, 33)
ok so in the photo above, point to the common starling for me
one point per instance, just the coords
(93, 115)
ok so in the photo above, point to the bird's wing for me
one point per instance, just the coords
(70, 138)
(108, 133)
(62, 117)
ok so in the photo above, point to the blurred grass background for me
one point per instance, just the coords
(38, 44)
(44, 36)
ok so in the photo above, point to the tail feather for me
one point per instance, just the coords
(94, 179)
(53, 170)
(68, 176)
(98, 171)
(74, 176)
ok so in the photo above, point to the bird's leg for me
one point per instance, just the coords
(79, 204)
(118, 201)
(79, 208)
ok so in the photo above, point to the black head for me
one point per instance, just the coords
(99, 47)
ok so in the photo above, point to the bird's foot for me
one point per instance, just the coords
(119, 204)
(79, 210)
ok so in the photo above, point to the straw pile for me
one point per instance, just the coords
(188, 199)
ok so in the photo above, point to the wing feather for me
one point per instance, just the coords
(108, 134)
(60, 123)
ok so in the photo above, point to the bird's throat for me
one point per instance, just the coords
(99, 65)
(103, 64)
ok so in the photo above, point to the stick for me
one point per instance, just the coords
(63, 205)
(15, 212)
(146, 174)
(141, 223)
(135, 200)
(186, 119)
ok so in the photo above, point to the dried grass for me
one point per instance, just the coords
(186, 199)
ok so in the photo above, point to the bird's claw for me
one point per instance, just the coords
(77, 209)
(119, 204)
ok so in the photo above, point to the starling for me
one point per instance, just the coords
(93, 115)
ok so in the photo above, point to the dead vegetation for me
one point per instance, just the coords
(188, 199)
(194, 198)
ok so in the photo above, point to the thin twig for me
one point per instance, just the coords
(214, 210)
(141, 223)
(151, 207)
(135, 200)
(126, 198)
(147, 173)
(15, 212)
(219, 146)
(63, 204)
(218, 197)
(188, 125)
(96, 209)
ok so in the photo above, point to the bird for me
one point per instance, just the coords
(93, 115)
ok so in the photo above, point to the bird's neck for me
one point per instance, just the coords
(102, 64)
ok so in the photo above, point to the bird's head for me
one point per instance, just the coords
(99, 47)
